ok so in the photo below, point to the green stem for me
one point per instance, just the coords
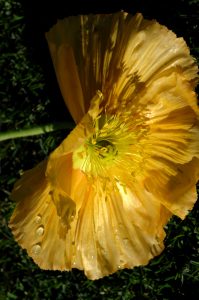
(13, 134)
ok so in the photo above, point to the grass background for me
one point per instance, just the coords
(29, 96)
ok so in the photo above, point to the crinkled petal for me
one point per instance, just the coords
(172, 144)
(66, 72)
(116, 54)
(122, 230)
(110, 231)
(135, 75)
(38, 223)
(178, 192)
(108, 236)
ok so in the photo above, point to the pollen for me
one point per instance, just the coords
(113, 145)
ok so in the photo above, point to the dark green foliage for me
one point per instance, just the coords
(30, 96)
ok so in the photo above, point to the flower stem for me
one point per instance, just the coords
(13, 134)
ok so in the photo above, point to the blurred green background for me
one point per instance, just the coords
(29, 96)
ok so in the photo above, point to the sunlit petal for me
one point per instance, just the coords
(100, 201)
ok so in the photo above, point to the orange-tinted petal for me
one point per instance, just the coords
(116, 54)
(38, 222)
(66, 72)
(108, 232)
(108, 236)
(137, 78)
(172, 144)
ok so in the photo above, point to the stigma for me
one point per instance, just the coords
(112, 144)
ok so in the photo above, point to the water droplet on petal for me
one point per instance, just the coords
(40, 231)
(38, 219)
(74, 263)
(36, 249)
(119, 267)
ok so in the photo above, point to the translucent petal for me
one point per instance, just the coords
(178, 192)
(172, 144)
(117, 54)
(116, 67)
(108, 235)
(38, 222)
(67, 75)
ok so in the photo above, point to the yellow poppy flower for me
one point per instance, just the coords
(100, 201)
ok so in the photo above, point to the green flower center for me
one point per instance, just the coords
(103, 149)
(112, 150)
